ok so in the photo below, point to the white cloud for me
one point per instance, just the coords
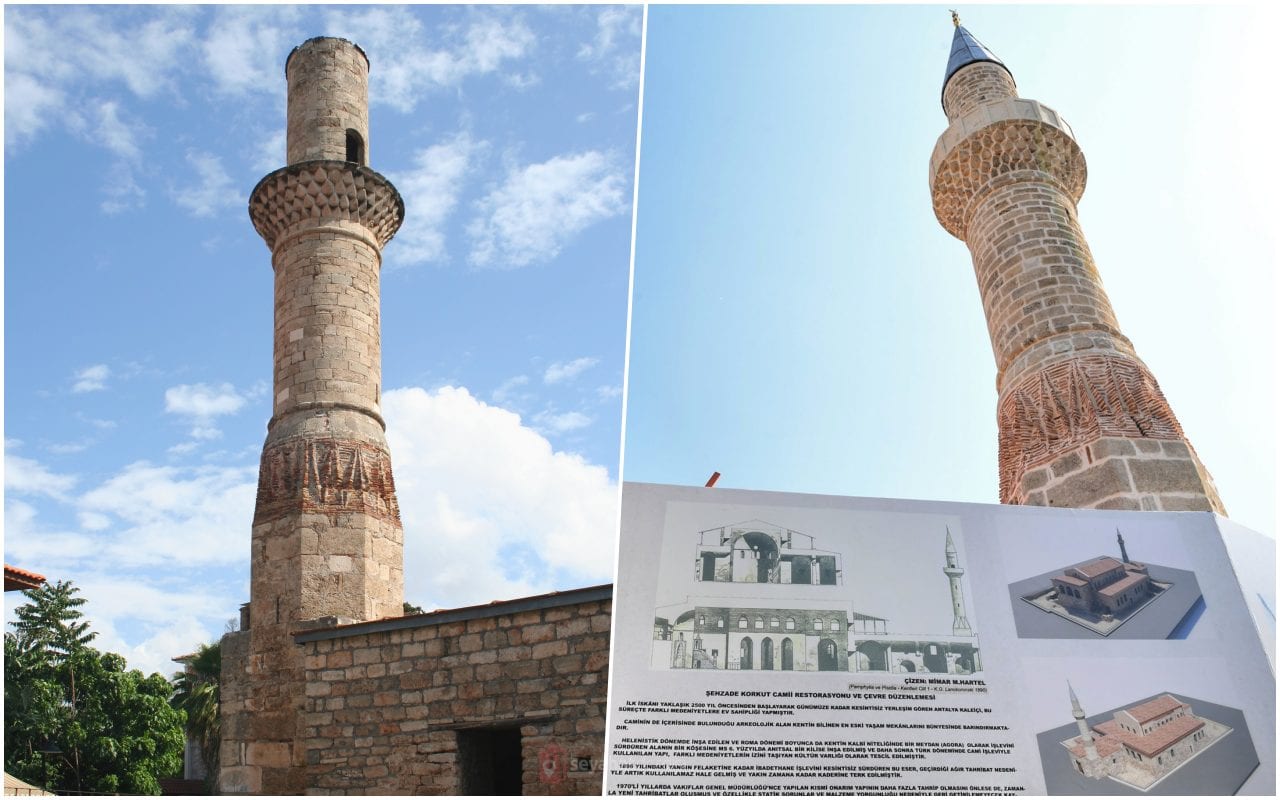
(91, 379)
(115, 134)
(506, 394)
(27, 476)
(203, 401)
(540, 207)
(563, 371)
(490, 509)
(122, 190)
(67, 448)
(53, 60)
(175, 515)
(408, 67)
(430, 193)
(271, 153)
(211, 191)
(550, 422)
(608, 392)
(244, 48)
(92, 521)
(616, 46)
(29, 106)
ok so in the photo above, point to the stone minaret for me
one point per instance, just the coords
(953, 571)
(1082, 421)
(1086, 735)
(1124, 554)
(327, 541)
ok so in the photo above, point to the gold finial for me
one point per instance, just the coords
(955, 18)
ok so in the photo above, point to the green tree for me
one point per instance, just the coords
(195, 691)
(76, 719)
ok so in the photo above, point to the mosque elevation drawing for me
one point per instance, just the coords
(764, 597)
(1108, 591)
(1143, 744)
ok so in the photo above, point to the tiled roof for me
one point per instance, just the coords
(1154, 709)
(1070, 579)
(1122, 584)
(1105, 745)
(1098, 566)
(1158, 740)
(16, 579)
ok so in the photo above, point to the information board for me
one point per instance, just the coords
(769, 643)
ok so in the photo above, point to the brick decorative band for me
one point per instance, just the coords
(965, 173)
(1072, 403)
(325, 190)
(325, 476)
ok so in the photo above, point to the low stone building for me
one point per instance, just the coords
(504, 698)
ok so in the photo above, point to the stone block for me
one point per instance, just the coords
(1067, 464)
(1123, 503)
(270, 754)
(1110, 446)
(1159, 476)
(1083, 488)
(1195, 502)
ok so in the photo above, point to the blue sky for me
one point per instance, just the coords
(138, 298)
(801, 322)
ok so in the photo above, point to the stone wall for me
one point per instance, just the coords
(387, 702)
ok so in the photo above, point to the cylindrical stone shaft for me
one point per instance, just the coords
(1083, 422)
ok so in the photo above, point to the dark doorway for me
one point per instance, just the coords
(490, 761)
(766, 654)
(788, 654)
(827, 658)
(746, 650)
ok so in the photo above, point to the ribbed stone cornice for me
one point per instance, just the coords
(320, 191)
(996, 139)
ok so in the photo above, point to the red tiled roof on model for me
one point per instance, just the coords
(18, 579)
(1071, 580)
(1158, 740)
(1124, 583)
(1097, 567)
(1154, 709)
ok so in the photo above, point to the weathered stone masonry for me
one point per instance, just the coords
(388, 702)
(327, 541)
(1083, 422)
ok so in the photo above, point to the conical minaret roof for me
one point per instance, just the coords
(966, 50)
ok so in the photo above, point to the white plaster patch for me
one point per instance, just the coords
(340, 564)
(282, 395)
(295, 334)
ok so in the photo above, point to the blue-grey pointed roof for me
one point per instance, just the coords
(966, 50)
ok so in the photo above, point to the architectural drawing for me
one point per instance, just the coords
(773, 630)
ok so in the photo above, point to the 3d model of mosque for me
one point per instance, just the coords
(1142, 744)
(1101, 594)
(723, 630)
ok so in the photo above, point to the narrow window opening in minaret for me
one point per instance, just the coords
(355, 146)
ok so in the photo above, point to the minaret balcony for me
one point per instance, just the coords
(311, 193)
(994, 140)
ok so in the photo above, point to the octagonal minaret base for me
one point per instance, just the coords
(1083, 422)
(327, 542)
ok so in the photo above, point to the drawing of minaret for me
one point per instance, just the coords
(960, 626)
(1086, 735)
(1124, 554)
(1082, 421)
